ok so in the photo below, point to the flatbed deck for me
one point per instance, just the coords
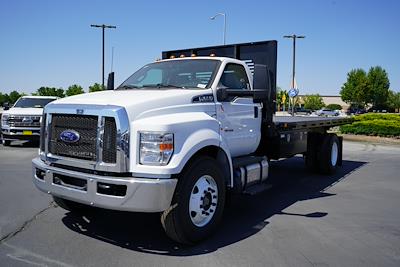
(307, 122)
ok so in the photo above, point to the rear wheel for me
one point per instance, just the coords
(198, 202)
(311, 156)
(329, 155)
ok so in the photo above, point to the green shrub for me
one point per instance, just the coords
(334, 107)
(374, 124)
(377, 116)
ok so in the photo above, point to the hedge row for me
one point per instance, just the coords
(374, 124)
(375, 116)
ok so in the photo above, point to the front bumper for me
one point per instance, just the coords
(142, 194)
(32, 134)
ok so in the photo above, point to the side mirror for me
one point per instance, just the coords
(222, 94)
(6, 106)
(225, 94)
(110, 81)
(259, 96)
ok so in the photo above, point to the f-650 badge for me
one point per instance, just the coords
(203, 98)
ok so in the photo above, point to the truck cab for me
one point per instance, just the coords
(22, 120)
(177, 137)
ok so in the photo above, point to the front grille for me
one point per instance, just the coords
(42, 133)
(85, 148)
(109, 140)
(24, 121)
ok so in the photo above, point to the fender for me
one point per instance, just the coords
(192, 132)
(208, 138)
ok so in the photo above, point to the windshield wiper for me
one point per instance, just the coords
(163, 85)
(128, 86)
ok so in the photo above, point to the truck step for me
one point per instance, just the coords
(257, 188)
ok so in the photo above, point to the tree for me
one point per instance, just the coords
(50, 91)
(282, 99)
(378, 83)
(334, 107)
(313, 102)
(95, 88)
(74, 90)
(4, 98)
(13, 97)
(394, 100)
(356, 89)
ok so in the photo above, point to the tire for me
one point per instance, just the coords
(329, 155)
(6, 142)
(311, 156)
(198, 202)
(70, 205)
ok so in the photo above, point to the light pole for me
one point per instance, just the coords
(224, 32)
(294, 37)
(103, 27)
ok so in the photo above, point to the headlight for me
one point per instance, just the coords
(156, 148)
(4, 120)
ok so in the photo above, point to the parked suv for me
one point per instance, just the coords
(22, 121)
(327, 112)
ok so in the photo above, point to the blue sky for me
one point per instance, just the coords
(51, 43)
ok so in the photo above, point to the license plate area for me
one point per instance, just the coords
(26, 132)
(71, 182)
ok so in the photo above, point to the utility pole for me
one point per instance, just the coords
(224, 32)
(103, 27)
(294, 37)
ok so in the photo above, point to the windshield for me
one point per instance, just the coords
(32, 102)
(196, 73)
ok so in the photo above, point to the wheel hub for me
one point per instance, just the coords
(334, 153)
(203, 201)
(207, 201)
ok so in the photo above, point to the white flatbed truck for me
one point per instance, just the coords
(177, 137)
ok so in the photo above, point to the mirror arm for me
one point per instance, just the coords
(258, 95)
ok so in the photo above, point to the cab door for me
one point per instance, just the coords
(239, 117)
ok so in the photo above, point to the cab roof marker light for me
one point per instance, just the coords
(212, 55)
(172, 57)
(182, 56)
(193, 55)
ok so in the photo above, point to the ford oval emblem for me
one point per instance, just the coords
(70, 136)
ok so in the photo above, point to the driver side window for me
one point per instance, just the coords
(234, 77)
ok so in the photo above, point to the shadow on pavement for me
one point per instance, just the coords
(244, 217)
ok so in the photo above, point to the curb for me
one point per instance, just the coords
(371, 139)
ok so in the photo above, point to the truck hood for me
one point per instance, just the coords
(24, 111)
(137, 102)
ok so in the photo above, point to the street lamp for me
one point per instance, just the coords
(294, 37)
(103, 27)
(224, 32)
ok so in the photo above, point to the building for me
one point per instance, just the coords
(330, 99)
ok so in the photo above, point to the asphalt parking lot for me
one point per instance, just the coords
(349, 219)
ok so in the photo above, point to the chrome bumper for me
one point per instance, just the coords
(17, 133)
(142, 194)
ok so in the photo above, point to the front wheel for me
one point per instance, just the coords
(198, 202)
(6, 142)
